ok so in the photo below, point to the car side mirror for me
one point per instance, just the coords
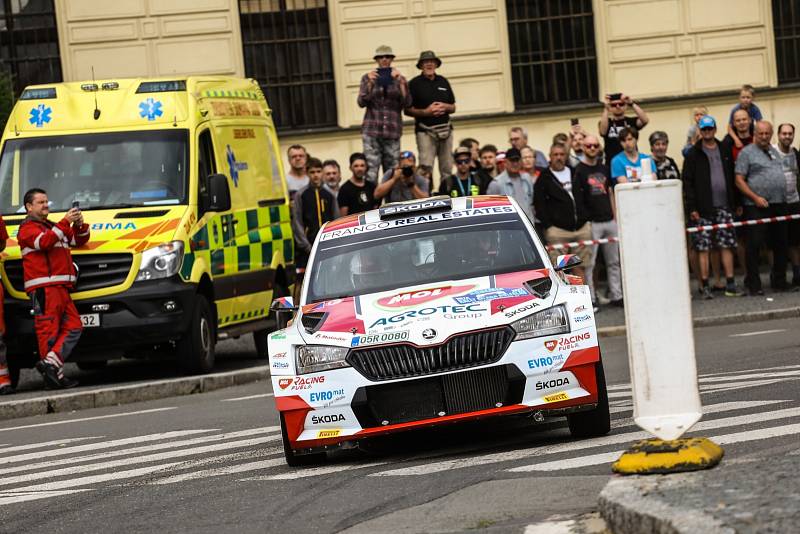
(218, 192)
(284, 309)
(566, 262)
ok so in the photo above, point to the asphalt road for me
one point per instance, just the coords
(212, 462)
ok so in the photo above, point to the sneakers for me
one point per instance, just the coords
(619, 303)
(732, 291)
(706, 293)
(595, 307)
(53, 377)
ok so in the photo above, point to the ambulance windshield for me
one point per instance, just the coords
(101, 170)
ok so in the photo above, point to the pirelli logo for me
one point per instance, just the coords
(556, 397)
(328, 433)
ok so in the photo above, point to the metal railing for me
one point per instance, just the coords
(287, 48)
(786, 22)
(29, 50)
(553, 58)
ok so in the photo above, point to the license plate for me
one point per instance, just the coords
(90, 320)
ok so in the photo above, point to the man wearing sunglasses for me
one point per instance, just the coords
(384, 93)
(613, 120)
(465, 182)
(711, 197)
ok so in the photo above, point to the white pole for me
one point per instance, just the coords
(658, 308)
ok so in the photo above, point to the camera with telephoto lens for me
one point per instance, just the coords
(408, 172)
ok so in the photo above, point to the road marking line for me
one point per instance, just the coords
(552, 527)
(754, 376)
(221, 471)
(140, 412)
(708, 409)
(316, 471)
(715, 388)
(759, 333)
(259, 396)
(15, 497)
(765, 369)
(46, 444)
(557, 448)
(103, 445)
(608, 457)
(138, 450)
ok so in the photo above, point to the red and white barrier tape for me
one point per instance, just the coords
(751, 222)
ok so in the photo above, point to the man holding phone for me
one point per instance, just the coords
(384, 93)
(613, 120)
(49, 275)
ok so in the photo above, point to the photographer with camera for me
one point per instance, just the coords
(403, 183)
(613, 120)
(384, 93)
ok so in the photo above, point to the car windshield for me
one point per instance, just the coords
(98, 170)
(434, 252)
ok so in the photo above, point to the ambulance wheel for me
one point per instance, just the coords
(294, 460)
(597, 421)
(196, 347)
(260, 336)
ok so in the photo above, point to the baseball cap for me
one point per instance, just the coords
(513, 153)
(407, 154)
(500, 156)
(707, 121)
(462, 151)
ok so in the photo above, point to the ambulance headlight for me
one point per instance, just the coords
(544, 323)
(315, 358)
(162, 261)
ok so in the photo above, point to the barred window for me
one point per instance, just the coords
(29, 42)
(287, 48)
(786, 20)
(553, 58)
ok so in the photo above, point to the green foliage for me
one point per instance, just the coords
(6, 97)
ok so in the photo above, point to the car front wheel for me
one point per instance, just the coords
(597, 421)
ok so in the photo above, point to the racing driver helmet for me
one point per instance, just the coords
(486, 249)
(370, 269)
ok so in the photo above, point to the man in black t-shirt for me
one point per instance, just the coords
(432, 103)
(465, 182)
(599, 200)
(613, 120)
(357, 194)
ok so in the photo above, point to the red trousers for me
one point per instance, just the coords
(57, 322)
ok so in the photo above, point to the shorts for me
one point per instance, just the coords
(794, 226)
(721, 238)
(556, 235)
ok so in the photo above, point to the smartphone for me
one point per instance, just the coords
(384, 76)
(614, 96)
(574, 121)
(76, 204)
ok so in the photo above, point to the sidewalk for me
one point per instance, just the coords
(750, 495)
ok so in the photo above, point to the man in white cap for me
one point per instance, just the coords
(384, 93)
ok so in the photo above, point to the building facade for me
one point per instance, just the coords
(534, 63)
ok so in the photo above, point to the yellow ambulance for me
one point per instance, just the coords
(182, 185)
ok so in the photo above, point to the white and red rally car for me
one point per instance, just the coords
(429, 312)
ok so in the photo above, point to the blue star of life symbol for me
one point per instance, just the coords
(40, 115)
(232, 164)
(151, 109)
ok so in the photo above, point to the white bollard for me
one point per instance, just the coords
(658, 308)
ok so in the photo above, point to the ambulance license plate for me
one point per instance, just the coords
(90, 320)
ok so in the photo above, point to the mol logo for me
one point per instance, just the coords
(285, 382)
(412, 298)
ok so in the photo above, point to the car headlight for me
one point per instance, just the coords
(544, 323)
(314, 358)
(162, 261)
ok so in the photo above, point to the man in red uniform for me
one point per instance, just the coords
(49, 275)
(5, 379)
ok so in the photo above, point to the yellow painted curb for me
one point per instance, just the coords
(652, 456)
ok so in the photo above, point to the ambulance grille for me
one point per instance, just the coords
(404, 360)
(96, 271)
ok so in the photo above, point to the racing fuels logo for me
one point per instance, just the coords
(567, 343)
(413, 298)
(301, 382)
(551, 345)
(285, 382)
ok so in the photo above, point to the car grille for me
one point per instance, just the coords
(406, 360)
(95, 271)
(437, 396)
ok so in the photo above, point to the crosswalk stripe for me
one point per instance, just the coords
(138, 450)
(558, 448)
(708, 409)
(607, 457)
(745, 371)
(220, 471)
(759, 333)
(24, 496)
(317, 471)
(715, 388)
(552, 527)
(149, 458)
(249, 397)
(43, 444)
(102, 445)
(71, 421)
(756, 376)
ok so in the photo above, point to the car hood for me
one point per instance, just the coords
(425, 314)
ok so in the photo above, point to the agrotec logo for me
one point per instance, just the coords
(420, 296)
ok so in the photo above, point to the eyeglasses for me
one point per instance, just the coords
(590, 145)
(384, 57)
(462, 162)
(617, 104)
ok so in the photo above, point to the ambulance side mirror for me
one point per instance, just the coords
(218, 192)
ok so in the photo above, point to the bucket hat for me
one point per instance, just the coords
(428, 54)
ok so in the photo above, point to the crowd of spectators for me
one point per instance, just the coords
(568, 193)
